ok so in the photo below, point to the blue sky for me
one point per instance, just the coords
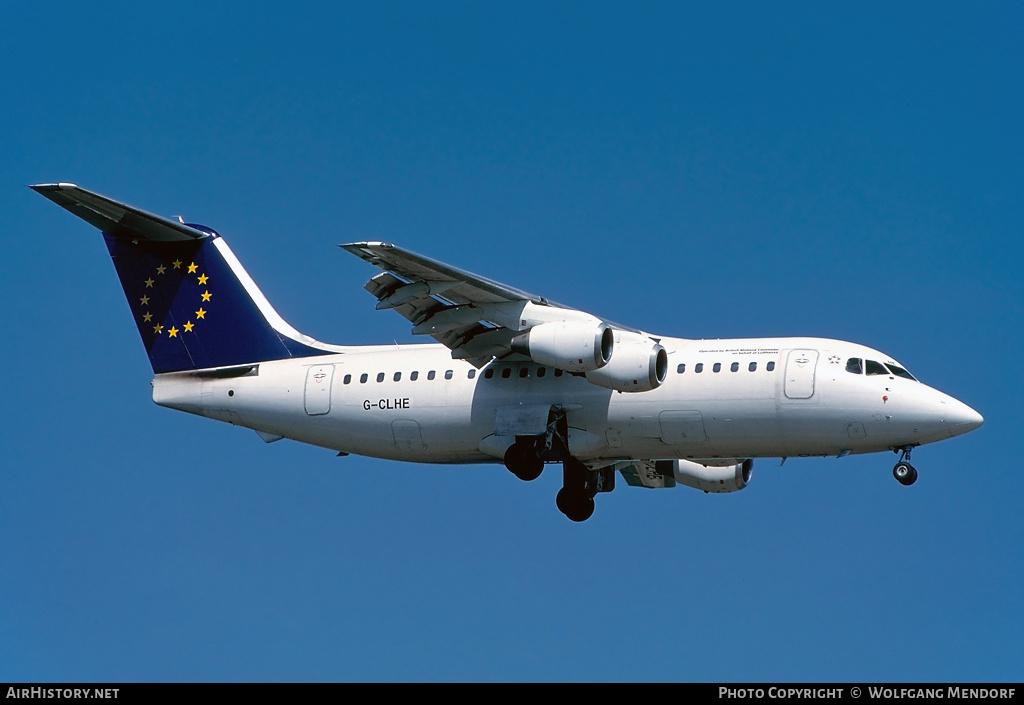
(736, 171)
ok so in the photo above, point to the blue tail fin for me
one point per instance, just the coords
(195, 307)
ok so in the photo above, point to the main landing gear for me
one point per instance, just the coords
(522, 459)
(580, 485)
(526, 457)
(904, 472)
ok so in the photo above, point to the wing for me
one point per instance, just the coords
(479, 319)
(475, 317)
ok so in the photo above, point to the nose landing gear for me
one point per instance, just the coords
(904, 472)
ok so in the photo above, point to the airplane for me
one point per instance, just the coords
(512, 378)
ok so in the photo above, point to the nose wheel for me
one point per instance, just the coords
(904, 472)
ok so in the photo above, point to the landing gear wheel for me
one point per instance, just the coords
(523, 462)
(563, 500)
(905, 473)
(576, 507)
(583, 510)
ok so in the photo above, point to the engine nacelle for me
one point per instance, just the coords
(638, 365)
(573, 346)
(709, 478)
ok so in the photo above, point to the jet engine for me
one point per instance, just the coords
(573, 346)
(639, 365)
(708, 478)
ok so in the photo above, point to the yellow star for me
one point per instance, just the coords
(203, 278)
(149, 282)
(144, 301)
(158, 328)
(188, 326)
(192, 268)
(200, 313)
(161, 269)
(173, 332)
(148, 317)
(206, 296)
(177, 264)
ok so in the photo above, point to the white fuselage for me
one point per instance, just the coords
(770, 397)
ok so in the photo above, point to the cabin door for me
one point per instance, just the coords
(318, 389)
(800, 374)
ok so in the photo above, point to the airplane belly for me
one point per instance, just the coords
(403, 422)
(702, 429)
(374, 405)
(743, 428)
(856, 415)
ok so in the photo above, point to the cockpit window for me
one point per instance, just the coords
(855, 365)
(876, 368)
(899, 371)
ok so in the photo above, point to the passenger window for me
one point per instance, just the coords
(558, 373)
(855, 365)
(735, 367)
(431, 375)
(506, 373)
(380, 376)
(698, 368)
(472, 374)
(717, 367)
(524, 372)
(362, 378)
(876, 368)
(348, 378)
(414, 375)
(770, 366)
(398, 376)
(448, 374)
(489, 372)
(541, 371)
(681, 369)
(752, 367)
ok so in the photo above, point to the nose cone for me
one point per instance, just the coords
(961, 418)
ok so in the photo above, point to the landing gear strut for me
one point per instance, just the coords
(526, 457)
(904, 472)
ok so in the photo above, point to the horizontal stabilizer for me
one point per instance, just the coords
(115, 218)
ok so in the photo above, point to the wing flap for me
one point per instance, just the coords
(481, 342)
